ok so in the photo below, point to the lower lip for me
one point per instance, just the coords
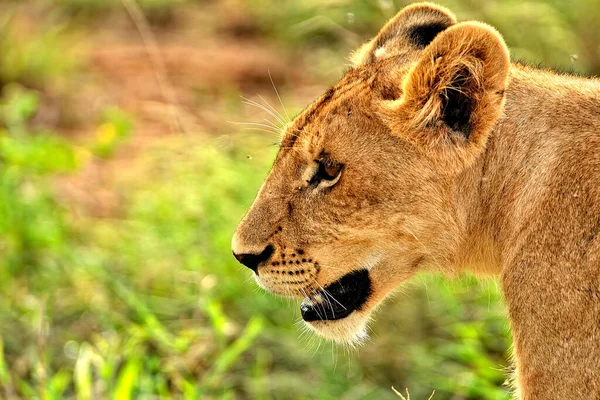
(343, 297)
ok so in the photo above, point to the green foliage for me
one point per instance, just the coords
(31, 226)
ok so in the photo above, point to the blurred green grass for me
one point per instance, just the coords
(148, 302)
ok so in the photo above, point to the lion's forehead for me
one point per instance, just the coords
(356, 88)
(351, 89)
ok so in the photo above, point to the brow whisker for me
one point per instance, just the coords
(258, 129)
(271, 128)
(268, 121)
(263, 108)
(273, 108)
(275, 115)
(279, 97)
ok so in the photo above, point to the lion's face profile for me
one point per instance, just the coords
(359, 196)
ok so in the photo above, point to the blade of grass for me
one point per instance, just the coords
(128, 379)
(57, 384)
(218, 319)
(232, 353)
(83, 373)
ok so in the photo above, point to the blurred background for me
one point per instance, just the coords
(124, 170)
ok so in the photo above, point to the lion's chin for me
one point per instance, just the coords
(341, 310)
(351, 330)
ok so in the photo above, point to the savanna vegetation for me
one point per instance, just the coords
(125, 167)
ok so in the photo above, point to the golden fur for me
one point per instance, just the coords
(452, 159)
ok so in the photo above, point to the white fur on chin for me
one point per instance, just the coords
(351, 330)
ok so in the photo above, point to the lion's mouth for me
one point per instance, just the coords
(338, 299)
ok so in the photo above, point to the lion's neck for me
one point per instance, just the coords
(549, 122)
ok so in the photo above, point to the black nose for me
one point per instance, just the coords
(253, 260)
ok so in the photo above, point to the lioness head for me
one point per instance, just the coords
(361, 194)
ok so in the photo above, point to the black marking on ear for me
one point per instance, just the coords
(457, 105)
(422, 35)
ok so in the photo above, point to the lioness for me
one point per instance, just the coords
(434, 152)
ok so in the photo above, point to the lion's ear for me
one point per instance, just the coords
(454, 94)
(409, 31)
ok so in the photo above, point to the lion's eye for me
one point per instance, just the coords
(327, 173)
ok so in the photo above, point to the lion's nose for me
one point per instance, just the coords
(251, 260)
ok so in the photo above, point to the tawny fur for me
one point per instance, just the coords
(513, 192)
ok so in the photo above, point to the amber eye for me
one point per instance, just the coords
(327, 173)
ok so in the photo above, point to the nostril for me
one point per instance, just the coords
(252, 261)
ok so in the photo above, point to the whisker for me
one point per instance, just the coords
(268, 121)
(324, 304)
(279, 97)
(326, 300)
(271, 128)
(259, 130)
(318, 347)
(317, 311)
(331, 267)
(278, 117)
(273, 108)
(319, 304)
(305, 335)
(280, 126)
(328, 293)
(263, 108)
